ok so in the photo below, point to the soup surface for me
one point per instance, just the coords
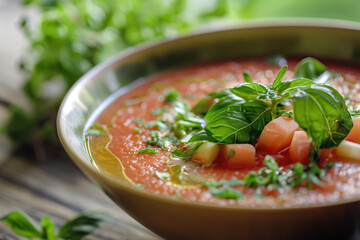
(131, 141)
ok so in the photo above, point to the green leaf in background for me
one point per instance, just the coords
(322, 113)
(74, 229)
(21, 224)
(70, 37)
(48, 228)
(171, 95)
(247, 77)
(82, 225)
(313, 69)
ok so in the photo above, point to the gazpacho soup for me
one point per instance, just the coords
(256, 132)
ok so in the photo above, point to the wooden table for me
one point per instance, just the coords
(57, 188)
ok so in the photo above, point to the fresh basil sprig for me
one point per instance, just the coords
(318, 109)
(74, 229)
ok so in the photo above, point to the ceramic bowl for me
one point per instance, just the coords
(176, 219)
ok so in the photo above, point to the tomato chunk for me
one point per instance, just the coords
(238, 155)
(300, 148)
(277, 134)
(354, 134)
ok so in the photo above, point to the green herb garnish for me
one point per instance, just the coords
(158, 111)
(272, 176)
(155, 140)
(247, 77)
(147, 150)
(138, 121)
(171, 95)
(136, 130)
(228, 193)
(186, 152)
(74, 229)
(96, 129)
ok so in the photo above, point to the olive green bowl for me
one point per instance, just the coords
(176, 219)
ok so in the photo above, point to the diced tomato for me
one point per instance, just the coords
(277, 134)
(238, 155)
(354, 134)
(300, 147)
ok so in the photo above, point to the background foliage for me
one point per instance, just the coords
(73, 36)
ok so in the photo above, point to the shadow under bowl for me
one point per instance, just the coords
(176, 219)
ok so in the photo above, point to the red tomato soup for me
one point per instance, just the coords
(132, 138)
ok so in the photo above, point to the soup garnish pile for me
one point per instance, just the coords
(247, 133)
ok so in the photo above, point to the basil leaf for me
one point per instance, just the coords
(224, 183)
(82, 225)
(147, 150)
(321, 112)
(171, 95)
(21, 224)
(158, 111)
(48, 228)
(312, 69)
(258, 114)
(223, 103)
(228, 193)
(249, 91)
(231, 126)
(247, 77)
(185, 154)
(202, 135)
(219, 94)
(290, 86)
(240, 124)
(279, 77)
(203, 106)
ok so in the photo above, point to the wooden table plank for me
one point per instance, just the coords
(58, 189)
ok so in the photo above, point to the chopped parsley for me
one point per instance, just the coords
(171, 95)
(271, 176)
(186, 152)
(158, 111)
(138, 121)
(229, 193)
(155, 140)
